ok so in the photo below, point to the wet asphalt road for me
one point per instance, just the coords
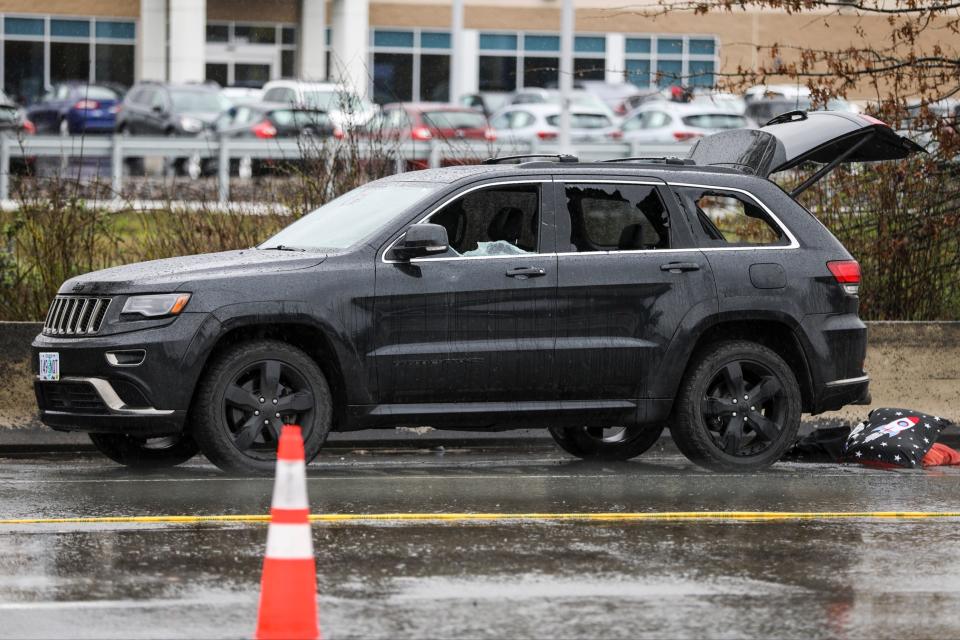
(854, 578)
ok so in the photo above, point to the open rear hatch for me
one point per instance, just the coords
(827, 137)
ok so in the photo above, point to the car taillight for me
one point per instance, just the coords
(86, 104)
(616, 134)
(264, 129)
(421, 133)
(117, 108)
(338, 133)
(681, 136)
(847, 274)
(29, 127)
(546, 135)
(489, 134)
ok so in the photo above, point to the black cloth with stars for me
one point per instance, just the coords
(900, 437)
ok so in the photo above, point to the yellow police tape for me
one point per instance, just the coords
(515, 517)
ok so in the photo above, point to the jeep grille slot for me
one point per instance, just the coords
(75, 316)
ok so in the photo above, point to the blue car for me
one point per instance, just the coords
(74, 108)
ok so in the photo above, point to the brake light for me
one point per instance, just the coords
(421, 133)
(117, 108)
(682, 136)
(847, 275)
(616, 134)
(338, 133)
(489, 134)
(29, 127)
(83, 105)
(873, 120)
(546, 135)
(264, 129)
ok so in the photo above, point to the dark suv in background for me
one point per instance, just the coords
(604, 301)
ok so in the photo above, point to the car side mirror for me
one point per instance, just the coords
(422, 240)
(158, 109)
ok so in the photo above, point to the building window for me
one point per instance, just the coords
(664, 61)
(250, 54)
(510, 61)
(40, 51)
(410, 65)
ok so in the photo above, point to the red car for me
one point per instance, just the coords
(426, 121)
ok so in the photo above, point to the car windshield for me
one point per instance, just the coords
(583, 121)
(715, 121)
(196, 101)
(454, 119)
(332, 100)
(345, 221)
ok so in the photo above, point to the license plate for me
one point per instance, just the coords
(49, 366)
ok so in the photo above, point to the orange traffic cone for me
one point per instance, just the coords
(288, 589)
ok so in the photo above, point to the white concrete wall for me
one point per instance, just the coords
(312, 61)
(188, 39)
(152, 41)
(616, 58)
(469, 74)
(350, 23)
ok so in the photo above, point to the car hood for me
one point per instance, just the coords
(796, 137)
(171, 273)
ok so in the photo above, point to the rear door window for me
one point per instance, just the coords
(723, 218)
(616, 217)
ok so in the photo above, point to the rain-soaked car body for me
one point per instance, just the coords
(604, 301)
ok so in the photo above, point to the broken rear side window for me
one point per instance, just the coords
(727, 218)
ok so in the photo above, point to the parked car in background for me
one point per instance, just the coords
(764, 110)
(578, 98)
(429, 121)
(671, 122)
(13, 118)
(266, 120)
(722, 100)
(489, 102)
(776, 91)
(614, 95)
(172, 110)
(241, 95)
(531, 122)
(72, 108)
(346, 108)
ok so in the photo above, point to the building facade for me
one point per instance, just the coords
(388, 49)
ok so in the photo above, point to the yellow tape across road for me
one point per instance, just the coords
(515, 517)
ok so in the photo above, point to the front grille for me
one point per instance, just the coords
(75, 397)
(75, 316)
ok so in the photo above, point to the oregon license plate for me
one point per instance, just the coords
(49, 366)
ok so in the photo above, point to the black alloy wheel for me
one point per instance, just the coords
(738, 408)
(246, 396)
(260, 400)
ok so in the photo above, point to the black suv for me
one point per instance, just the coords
(604, 301)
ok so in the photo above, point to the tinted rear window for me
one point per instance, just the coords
(454, 120)
(715, 121)
(97, 93)
(583, 121)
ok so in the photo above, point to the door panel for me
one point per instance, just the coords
(624, 287)
(472, 328)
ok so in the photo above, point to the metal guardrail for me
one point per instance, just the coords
(119, 148)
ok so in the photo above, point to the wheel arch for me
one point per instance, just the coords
(774, 331)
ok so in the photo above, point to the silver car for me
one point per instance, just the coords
(530, 122)
(672, 122)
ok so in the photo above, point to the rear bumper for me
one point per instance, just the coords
(835, 346)
(839, 393)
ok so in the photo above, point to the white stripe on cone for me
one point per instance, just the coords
(290, 486)
(289, 542)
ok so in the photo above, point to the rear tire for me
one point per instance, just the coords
(234, 414)
(592, 443)
(145, 453)
(738, 408)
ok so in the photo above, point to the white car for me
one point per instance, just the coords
(345, 108)
(671, 122)
(578, 98)
(529, 122)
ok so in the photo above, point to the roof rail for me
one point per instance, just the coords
(559, 157)
(789, 116)
(653, 160)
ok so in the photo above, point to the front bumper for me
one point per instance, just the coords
(96, 395)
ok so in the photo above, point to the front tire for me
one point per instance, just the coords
(598, 443)
(738, 408)
(245, 397)
(145, 453)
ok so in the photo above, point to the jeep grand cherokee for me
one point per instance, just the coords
(603, 301)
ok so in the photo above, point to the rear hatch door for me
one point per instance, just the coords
(827, 137)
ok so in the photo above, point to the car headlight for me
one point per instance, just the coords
(154, 306)
(191, 125)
